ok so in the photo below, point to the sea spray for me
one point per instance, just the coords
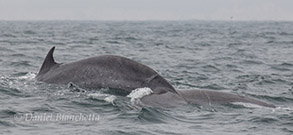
(139, 93)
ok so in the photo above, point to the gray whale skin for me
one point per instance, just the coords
(110, 71)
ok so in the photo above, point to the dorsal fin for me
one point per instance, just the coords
(49, 62)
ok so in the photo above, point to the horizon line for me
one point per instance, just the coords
(152, 20)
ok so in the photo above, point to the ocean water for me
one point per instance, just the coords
(248, 58)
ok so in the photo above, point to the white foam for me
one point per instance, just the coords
(110, 99)
(28, 76)
(284, 108)
(97, 95)
(139, 93)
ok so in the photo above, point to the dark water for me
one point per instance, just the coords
(248, 58)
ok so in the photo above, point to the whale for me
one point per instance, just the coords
(106, 71)
(198, 97)
(117, 72)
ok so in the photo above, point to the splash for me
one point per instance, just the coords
(106, 97)
(139, 93)
(110, 99)
(28, 76)
(75, 88)
(21, 81)
(284, 108)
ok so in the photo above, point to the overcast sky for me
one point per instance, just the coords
(146, 10)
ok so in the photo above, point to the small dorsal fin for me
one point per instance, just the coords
(48, 62)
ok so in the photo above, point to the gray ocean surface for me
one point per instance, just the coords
(254, 59)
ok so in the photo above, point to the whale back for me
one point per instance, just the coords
(201, 97)
(105, 71)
